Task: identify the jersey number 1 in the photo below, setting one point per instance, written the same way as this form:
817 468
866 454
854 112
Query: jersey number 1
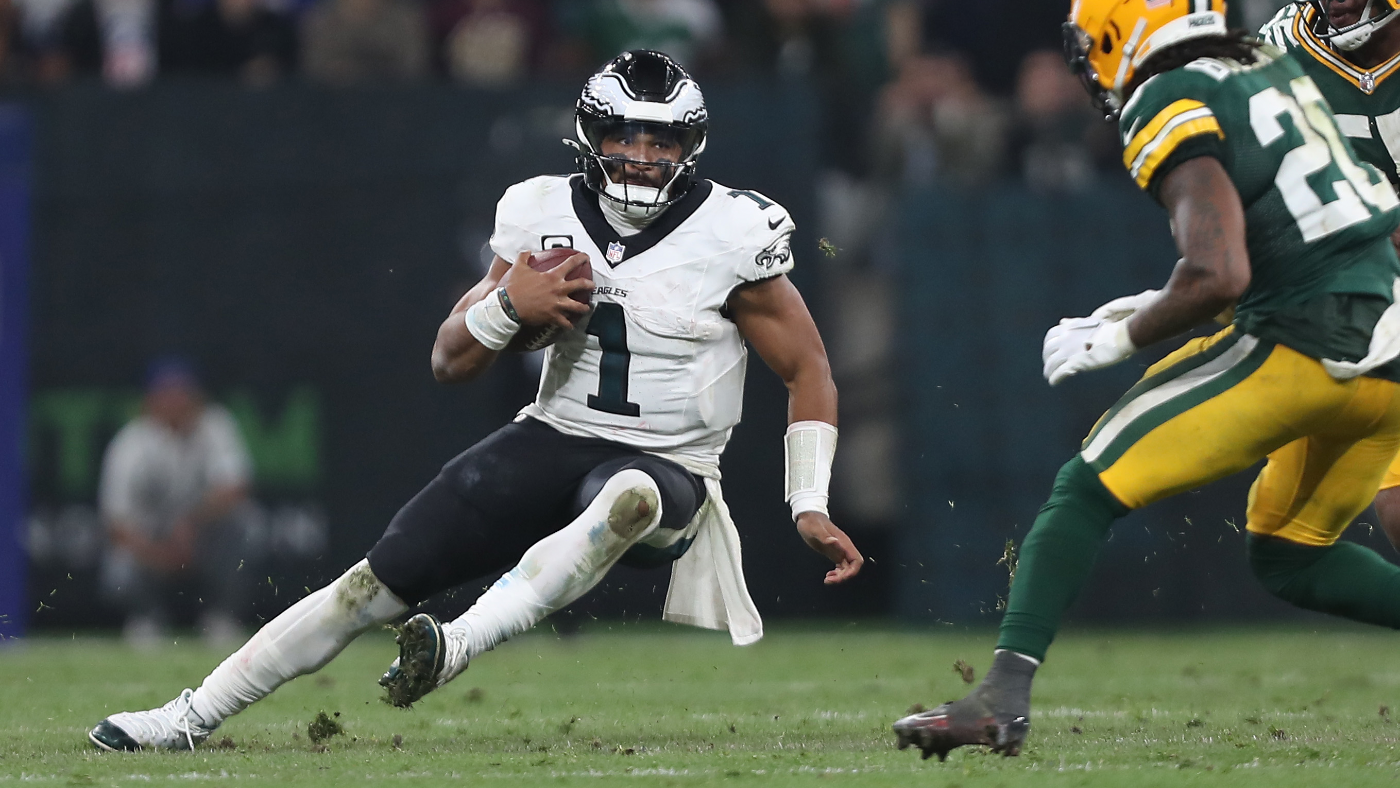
610 327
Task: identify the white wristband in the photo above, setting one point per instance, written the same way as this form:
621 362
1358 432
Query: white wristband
488 322
808 450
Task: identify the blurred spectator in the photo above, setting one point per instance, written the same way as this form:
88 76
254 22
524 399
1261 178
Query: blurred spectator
348 42
174 485
115 38
487 42
842 47
1058 140
231 37
993 36
41 24
683 29
935 123
10 40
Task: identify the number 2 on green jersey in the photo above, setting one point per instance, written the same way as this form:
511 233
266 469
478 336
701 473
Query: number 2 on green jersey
1321 146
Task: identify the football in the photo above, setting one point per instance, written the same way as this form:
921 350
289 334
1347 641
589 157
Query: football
533 337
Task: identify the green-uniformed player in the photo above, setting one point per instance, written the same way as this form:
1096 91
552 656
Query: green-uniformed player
1272 210
1355 63
1351 49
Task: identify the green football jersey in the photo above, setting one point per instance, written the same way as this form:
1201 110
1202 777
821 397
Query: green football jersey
1366 102
1317 221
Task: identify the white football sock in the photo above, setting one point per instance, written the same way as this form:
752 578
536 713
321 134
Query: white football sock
301 640
564 565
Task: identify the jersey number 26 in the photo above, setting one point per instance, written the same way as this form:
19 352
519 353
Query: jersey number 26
1321 145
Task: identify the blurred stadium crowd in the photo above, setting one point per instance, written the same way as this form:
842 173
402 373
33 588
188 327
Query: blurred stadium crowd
909 64
913 89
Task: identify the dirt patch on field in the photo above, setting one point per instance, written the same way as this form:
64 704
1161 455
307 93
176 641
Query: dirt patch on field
323 727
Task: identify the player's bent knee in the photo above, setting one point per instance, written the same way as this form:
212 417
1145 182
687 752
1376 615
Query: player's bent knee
360 596
634 503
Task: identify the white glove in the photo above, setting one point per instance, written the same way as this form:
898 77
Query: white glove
1124 307
1079 344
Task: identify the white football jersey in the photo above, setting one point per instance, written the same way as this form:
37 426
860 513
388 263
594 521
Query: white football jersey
657 364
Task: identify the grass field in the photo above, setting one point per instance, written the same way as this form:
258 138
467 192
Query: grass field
807 706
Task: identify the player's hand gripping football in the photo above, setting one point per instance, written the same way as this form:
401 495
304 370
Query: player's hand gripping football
542 298
822 535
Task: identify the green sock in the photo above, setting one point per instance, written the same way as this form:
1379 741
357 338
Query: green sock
1345 579
1056 558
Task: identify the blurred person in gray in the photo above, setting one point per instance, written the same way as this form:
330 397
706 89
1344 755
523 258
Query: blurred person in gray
173 493
488 42
935 124
1058 142
354 42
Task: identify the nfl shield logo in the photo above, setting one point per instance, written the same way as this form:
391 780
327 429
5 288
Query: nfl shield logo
615 252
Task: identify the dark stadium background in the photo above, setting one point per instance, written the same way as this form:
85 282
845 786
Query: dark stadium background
301 242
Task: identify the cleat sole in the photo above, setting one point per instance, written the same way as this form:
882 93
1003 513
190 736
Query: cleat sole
940 732
421 656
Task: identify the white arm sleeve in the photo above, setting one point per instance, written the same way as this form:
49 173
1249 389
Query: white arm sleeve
808 450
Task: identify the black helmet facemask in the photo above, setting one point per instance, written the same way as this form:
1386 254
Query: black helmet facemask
640 101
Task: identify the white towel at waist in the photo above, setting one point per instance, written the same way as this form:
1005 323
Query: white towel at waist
707 583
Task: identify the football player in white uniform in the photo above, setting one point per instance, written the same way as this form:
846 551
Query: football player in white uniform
618 455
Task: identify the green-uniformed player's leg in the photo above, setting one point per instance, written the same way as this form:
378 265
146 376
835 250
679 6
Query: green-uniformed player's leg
1190 420
1056 558
1308 493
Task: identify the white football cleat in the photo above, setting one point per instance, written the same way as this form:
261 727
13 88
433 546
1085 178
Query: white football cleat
173 726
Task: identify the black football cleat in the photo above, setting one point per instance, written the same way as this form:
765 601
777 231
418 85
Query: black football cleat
430 655
421 656
969 721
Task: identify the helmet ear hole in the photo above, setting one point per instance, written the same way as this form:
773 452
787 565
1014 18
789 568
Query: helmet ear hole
1106 45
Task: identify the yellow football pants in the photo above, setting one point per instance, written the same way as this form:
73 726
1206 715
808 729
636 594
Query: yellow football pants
1392 475
1220 404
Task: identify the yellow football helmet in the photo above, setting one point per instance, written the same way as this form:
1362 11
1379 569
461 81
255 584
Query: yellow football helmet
1106 40
1374 16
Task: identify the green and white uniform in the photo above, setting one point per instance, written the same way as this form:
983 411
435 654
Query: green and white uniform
1366 102
1317 220
1317 227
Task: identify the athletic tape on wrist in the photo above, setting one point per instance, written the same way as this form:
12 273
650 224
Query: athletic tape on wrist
808 449
488 322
